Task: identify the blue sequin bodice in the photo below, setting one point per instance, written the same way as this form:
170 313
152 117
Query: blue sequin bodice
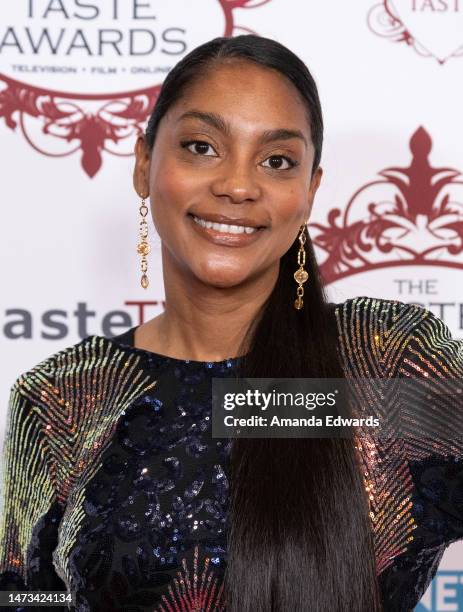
115 490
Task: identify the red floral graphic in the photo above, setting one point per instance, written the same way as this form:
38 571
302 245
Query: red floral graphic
74 119
410 217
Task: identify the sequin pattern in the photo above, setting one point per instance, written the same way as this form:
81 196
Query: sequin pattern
114 488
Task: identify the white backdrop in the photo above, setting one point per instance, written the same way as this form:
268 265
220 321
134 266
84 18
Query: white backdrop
389 76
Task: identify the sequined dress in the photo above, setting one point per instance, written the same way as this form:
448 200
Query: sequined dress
115 490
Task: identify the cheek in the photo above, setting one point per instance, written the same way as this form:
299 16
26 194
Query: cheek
174 188
288 204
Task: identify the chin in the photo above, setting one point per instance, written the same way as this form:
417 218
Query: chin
221 278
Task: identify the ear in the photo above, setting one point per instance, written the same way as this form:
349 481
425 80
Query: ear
141 169
314 185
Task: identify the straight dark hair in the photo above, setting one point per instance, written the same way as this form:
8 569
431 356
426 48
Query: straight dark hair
299 536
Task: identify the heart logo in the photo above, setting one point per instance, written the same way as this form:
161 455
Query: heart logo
436 25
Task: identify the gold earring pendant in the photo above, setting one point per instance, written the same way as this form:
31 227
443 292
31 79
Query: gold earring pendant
143 248
300 275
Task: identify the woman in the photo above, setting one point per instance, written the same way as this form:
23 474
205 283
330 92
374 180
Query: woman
115 488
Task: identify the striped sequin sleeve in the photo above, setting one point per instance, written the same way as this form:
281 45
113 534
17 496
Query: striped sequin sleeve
29 510
432 360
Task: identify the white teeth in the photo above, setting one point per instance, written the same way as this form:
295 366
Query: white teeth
222 227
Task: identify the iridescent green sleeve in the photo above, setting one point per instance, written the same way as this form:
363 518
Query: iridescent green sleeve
414 475
61 416
432 360
29 511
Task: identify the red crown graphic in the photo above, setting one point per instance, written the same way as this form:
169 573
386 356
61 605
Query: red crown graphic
411 216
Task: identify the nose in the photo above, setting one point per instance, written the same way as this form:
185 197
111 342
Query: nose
236 181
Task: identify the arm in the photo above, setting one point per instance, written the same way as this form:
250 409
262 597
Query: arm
29 510
420 505
433 361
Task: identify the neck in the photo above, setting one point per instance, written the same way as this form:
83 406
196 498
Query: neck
204 322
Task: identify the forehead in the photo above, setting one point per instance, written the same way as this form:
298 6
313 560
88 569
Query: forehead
246 94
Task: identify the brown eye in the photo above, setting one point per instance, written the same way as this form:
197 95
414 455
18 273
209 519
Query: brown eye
197 147
276 162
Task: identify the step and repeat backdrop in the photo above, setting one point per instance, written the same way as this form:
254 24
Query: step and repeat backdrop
77 83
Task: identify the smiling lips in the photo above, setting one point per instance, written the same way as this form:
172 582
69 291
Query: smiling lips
227 231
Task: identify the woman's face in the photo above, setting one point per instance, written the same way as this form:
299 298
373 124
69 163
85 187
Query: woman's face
235 149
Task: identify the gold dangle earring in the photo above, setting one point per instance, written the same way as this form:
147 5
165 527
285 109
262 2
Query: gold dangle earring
143 248
300 275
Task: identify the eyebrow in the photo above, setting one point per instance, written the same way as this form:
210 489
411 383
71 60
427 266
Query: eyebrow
217 122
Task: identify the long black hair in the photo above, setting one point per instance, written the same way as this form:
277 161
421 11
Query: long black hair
299 536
